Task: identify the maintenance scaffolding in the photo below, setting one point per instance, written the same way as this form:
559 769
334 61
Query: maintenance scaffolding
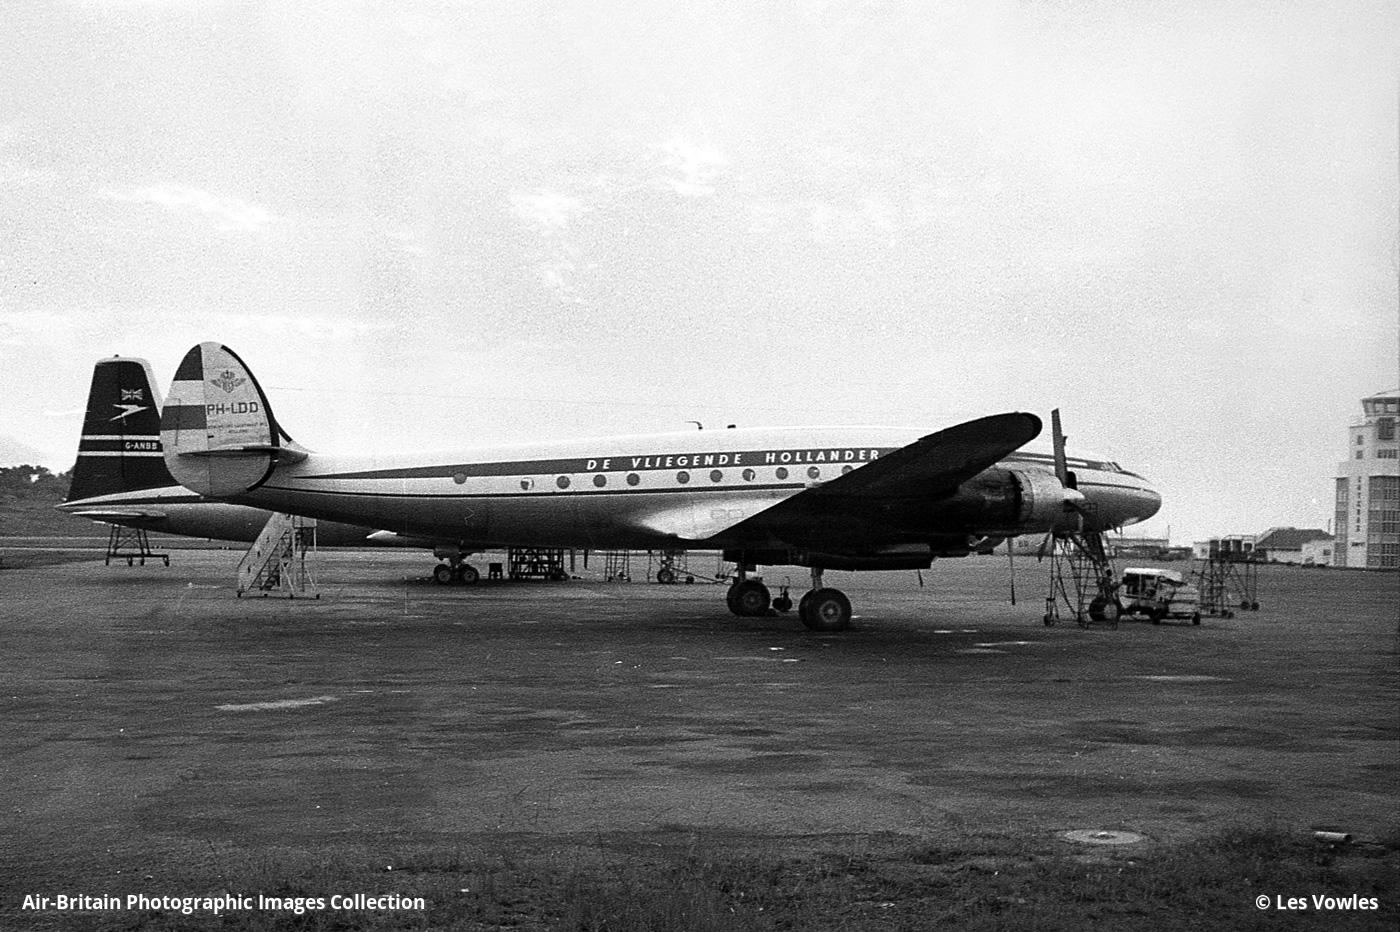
131 544
1082 579
1228 578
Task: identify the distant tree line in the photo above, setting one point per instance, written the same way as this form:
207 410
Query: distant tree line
33 481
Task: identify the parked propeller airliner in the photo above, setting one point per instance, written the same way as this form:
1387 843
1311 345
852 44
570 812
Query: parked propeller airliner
824 498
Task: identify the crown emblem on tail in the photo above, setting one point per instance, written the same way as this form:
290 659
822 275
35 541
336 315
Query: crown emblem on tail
227 381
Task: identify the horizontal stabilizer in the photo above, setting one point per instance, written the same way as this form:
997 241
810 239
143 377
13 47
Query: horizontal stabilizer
280 454
117 517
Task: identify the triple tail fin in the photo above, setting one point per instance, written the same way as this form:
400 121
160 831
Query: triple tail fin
219 433
120 447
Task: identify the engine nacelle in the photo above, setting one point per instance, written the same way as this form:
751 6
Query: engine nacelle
1044 501
1003 502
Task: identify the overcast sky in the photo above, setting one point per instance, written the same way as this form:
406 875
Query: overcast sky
438 224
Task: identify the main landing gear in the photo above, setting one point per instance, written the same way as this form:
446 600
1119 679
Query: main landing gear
821 609
456 571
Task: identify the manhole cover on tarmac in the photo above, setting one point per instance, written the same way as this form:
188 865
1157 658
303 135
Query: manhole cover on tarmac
1097 836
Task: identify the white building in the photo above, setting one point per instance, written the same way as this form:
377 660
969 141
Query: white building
1318 552
1368 489
1240 546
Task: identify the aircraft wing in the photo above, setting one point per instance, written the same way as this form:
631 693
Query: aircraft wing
928 469
937 463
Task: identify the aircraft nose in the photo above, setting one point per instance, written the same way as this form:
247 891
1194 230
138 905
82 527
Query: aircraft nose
1151 502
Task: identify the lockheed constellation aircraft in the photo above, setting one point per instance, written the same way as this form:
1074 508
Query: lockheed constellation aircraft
847 498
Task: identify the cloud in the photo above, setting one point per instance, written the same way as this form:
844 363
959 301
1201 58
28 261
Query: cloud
230 214
698 166
549 209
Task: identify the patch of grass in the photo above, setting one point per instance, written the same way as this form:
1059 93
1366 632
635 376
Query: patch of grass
14 558
978 883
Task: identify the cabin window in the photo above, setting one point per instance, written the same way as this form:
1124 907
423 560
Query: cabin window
813 472
682 477
562 482
459 478
527 484
633 478
749 475
781 472
600 480
847 468
716 475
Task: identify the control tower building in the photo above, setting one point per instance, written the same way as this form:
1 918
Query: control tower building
1368 489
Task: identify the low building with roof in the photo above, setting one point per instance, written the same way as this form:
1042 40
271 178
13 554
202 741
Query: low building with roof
1291 545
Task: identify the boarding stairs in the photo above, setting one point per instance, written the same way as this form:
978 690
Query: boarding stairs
277 561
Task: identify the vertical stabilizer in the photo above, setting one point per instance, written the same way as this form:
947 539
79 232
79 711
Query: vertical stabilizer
120 446
219 434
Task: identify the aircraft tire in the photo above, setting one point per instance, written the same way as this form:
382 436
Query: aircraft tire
468 575
442 574
748 599
665 576
826 610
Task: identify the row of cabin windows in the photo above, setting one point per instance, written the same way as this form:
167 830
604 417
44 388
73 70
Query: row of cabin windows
683 477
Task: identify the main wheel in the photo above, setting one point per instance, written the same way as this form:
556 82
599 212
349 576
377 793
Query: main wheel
442 574
783 603
826 610
665 576
748 599
468 575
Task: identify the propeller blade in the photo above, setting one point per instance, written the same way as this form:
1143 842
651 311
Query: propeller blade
1057 437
